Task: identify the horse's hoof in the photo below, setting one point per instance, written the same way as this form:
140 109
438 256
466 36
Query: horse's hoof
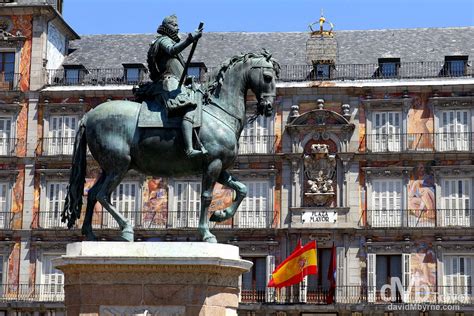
127 234
210 239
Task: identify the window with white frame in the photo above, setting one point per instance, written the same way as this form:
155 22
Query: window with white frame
186 204
6 142
455 197
454 131
52 279
4 205
257 138
125 201
55 195
255 210
386 208
458 278
387 269
62 130
386 130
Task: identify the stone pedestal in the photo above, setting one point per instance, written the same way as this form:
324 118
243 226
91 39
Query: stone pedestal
152 278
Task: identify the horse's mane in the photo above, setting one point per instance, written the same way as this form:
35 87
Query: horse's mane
217 77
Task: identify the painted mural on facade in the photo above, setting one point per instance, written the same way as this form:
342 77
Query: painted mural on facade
423 271
23 24
420 124
421 196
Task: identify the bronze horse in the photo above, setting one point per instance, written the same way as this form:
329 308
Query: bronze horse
110 130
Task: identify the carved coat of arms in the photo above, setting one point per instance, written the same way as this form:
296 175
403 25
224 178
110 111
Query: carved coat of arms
320 168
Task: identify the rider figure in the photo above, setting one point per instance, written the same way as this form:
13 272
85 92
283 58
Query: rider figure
166 65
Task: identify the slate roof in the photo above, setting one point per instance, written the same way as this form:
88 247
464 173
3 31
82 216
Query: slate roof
289 48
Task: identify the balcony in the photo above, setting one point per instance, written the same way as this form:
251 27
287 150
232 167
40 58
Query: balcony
57 146
443 218
9 81
161 221
359 294
31 293
418 142
339 72
8 146
251 145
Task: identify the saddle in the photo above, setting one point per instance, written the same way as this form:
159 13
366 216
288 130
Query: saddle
153 113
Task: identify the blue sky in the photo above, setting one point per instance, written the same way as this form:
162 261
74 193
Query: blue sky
143 16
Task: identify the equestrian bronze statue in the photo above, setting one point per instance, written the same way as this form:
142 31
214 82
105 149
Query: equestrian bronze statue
119 138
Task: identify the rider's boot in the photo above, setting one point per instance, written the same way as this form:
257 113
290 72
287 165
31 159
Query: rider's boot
187 129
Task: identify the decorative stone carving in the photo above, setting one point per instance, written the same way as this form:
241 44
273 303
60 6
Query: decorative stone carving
320 168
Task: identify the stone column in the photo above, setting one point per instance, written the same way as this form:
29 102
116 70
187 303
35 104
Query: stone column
152 278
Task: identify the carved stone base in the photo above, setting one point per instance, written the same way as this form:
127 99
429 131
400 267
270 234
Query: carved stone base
151 278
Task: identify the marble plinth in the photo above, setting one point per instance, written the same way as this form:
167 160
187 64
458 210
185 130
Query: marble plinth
151 278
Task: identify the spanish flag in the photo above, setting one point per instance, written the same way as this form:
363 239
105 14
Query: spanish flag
300 263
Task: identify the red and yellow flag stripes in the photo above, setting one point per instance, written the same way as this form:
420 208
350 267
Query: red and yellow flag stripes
300 263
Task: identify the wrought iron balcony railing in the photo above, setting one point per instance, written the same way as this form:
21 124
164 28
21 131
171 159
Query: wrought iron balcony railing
9 81
404 70
31 293
6 219
360 294
8 146
161 220
262 144
420 218
57 146
418 142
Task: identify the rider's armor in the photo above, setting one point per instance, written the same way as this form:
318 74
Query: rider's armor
166 65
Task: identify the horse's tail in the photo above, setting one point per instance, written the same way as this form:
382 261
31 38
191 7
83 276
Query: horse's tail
75 189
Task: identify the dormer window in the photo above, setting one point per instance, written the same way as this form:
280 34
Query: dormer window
322 69
455 66
74 74
388 67
134 73
196 70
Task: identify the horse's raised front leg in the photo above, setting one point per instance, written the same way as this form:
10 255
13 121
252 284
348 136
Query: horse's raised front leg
111 181
241 192
209 178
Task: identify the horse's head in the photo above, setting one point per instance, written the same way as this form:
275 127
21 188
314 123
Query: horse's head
264 71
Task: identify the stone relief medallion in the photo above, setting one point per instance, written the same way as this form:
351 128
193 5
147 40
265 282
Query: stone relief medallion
320 168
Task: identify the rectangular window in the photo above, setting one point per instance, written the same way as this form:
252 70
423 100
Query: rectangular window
386 210
257 138
254 212
55 195
254 281
7 68
388 67
62 130
7 144
134 73
52 280
125 200
386 131
4 205
72 76
458 279
454 133
187 204
194 72
455 66
388 267
323 71
455 202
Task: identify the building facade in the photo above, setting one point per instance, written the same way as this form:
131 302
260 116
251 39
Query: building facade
369 152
